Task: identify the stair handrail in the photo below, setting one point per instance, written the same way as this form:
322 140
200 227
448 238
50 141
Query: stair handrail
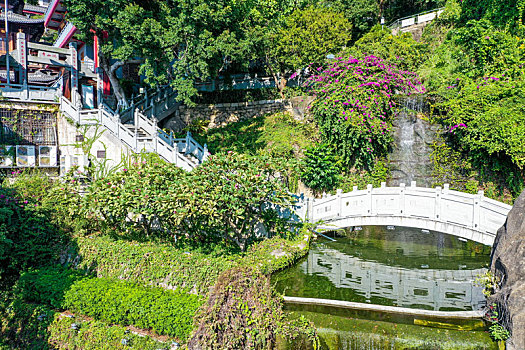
397 23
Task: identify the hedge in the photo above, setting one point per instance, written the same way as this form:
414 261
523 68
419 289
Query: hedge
166 312
96 335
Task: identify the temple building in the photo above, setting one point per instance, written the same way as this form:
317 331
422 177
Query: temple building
55 97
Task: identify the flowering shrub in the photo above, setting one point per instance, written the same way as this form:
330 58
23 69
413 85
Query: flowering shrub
355 103
224 199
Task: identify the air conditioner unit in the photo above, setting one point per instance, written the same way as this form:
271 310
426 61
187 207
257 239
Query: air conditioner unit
25 156
7 159
47 156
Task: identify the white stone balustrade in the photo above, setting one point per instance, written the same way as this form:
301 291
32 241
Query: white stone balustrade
153 142
469 216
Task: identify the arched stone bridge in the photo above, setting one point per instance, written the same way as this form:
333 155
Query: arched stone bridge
469 216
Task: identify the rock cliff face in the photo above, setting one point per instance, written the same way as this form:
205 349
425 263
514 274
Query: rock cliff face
508 264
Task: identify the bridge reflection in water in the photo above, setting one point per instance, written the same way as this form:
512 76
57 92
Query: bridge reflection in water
380 272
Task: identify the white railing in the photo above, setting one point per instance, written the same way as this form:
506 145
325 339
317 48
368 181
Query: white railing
471 216
166 147
422 17
156 104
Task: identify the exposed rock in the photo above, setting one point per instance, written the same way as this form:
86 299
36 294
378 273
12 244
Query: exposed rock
413 137
508 265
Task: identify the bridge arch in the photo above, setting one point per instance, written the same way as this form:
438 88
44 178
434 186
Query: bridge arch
469 216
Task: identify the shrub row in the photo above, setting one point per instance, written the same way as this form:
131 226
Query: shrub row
164 311
96 335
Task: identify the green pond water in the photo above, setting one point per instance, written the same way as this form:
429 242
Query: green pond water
390 266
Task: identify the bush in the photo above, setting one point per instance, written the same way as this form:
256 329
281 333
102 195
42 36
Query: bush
224 199
243 313
27 237
163 311
320 168
355 104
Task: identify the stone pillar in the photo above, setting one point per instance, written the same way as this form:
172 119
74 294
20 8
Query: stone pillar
100 85
477 210
369 199
437 205
75 96
339 195
402 210
21 45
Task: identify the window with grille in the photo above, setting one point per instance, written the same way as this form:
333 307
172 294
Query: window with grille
27 127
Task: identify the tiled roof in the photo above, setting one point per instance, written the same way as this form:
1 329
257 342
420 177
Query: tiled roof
15 18
35 8
36 77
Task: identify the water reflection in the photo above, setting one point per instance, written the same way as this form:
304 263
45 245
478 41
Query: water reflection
402 267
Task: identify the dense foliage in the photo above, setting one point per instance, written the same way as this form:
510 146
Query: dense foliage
27 237
125 303
320 168
502 13
355 103
475 78
226 198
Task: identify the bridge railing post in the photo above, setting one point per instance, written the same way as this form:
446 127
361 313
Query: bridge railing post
437 205
402 199
339 195
369 199
477 210
310 209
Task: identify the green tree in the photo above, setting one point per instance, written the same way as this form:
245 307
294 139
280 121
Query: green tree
401 50
306 37
502 13
176 42
103 20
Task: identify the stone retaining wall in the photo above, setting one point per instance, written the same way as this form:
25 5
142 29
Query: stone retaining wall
225 113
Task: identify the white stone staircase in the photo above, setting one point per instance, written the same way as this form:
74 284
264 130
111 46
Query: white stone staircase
140 133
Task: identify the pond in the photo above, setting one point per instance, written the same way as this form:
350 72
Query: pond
393 266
